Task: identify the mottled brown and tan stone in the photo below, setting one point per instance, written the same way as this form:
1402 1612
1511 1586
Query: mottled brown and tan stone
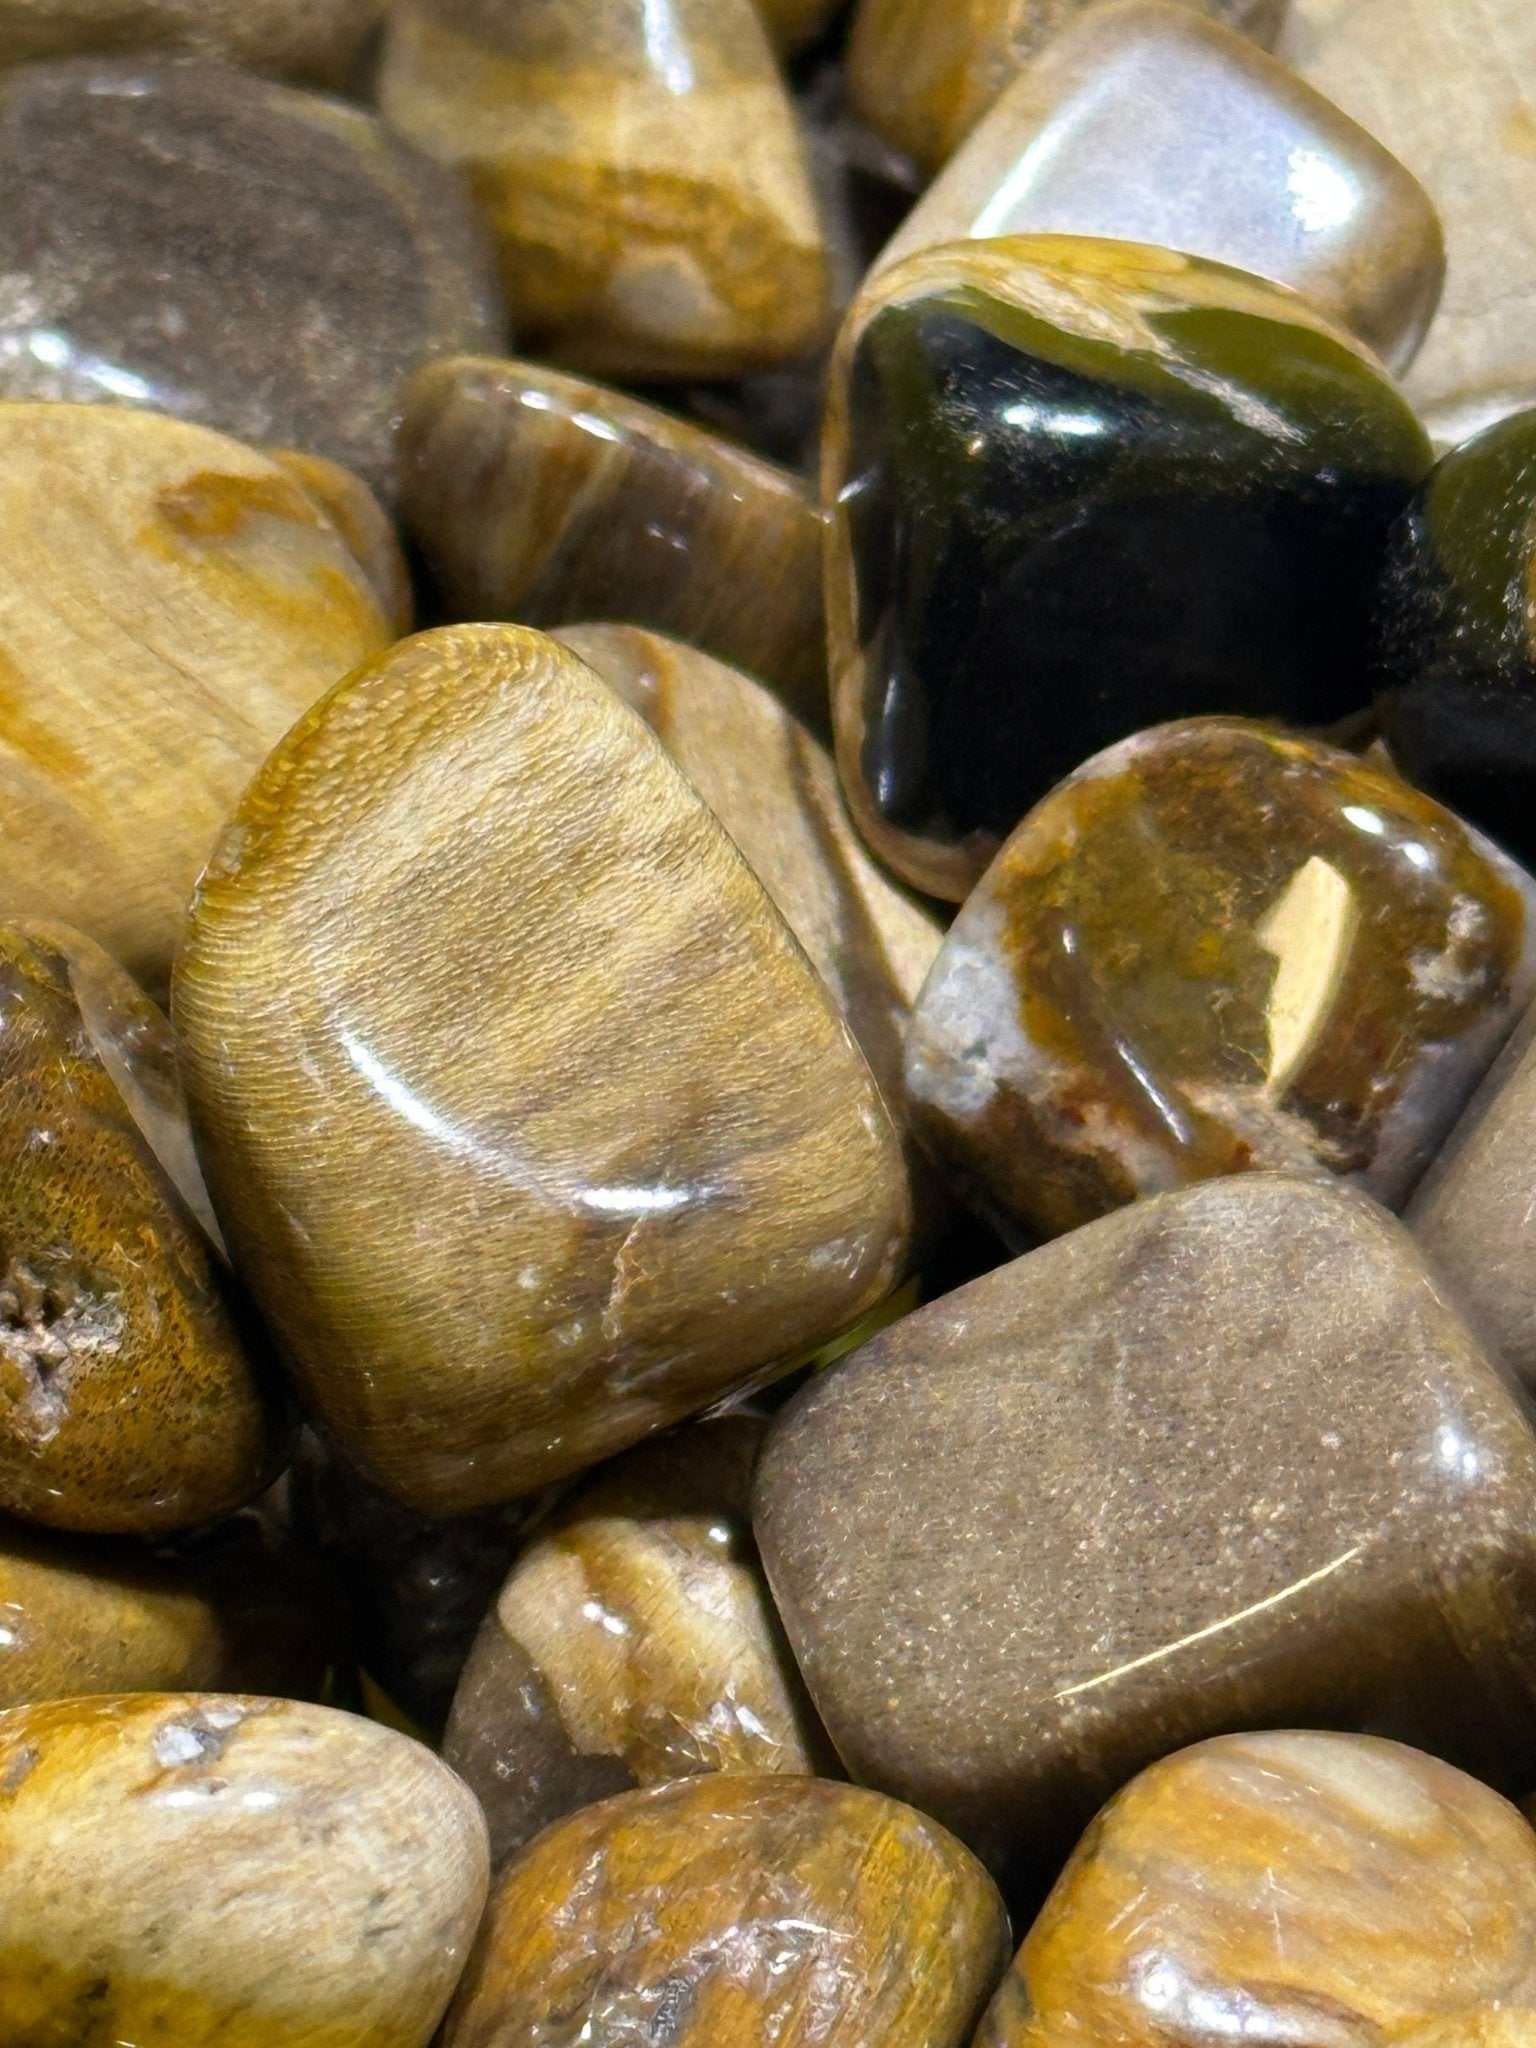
471 926
316 41
364 525
1288 1887
1224 1459
736 1912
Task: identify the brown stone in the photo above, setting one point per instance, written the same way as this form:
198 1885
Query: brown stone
592 1076
196 1868
1326 1889
794 23
1145 122
640 168
316 41
1225 1459
736 1912
541 498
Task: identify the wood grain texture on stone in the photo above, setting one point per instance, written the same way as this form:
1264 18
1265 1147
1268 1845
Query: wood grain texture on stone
923 75
1224 1459
170 601
1448 90
266 261
213 1870
1217 946
1286 1888
314 41
131 1400
1075 487
736 1912
364 525
1144 121
538 497
596 1080
634 1642
640 167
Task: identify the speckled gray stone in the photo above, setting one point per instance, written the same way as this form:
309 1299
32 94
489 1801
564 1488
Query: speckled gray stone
1226 1459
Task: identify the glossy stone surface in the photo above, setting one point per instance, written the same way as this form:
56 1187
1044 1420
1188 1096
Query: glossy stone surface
265 261
539 497
1456 633
1224 1459
1217 947
129 1401
1448 91
1144 121
1077 487
123 750
593 1074
160 1852
634 1642
316 41
364 525
922 75
1292 1887
749 1911
640 168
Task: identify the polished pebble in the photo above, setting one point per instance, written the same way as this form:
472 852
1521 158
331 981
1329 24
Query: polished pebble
1145 121
623 1156
1076 487
922 75
130 1398
1455 644
315 41
538 497
207 1870
265 261
364 525
1224 1459
1286 1888
123 744
736 1912
639 165
634 1642
1215 947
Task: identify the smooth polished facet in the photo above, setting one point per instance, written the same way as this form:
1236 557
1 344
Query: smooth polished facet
1217 947
269 262
1286 1888
542 498
1143 121
1225 1459
1075 487
640 168
471 926
315 41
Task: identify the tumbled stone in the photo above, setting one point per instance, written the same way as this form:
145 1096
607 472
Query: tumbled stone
364 525
265 261
538 497
761 1911
1456 633
1077 487
213 1868
634 1642
314 40
922 76
639 166
1447 90
1224 1459
1217 946
1144 121
1294 1887
129 1401
173 602
593 1077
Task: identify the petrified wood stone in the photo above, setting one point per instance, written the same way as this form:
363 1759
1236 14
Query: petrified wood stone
1286 1888
736 1912
1223 1459
639 165
124 746
638 1133
313 40
269 262
206 1868
541 498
